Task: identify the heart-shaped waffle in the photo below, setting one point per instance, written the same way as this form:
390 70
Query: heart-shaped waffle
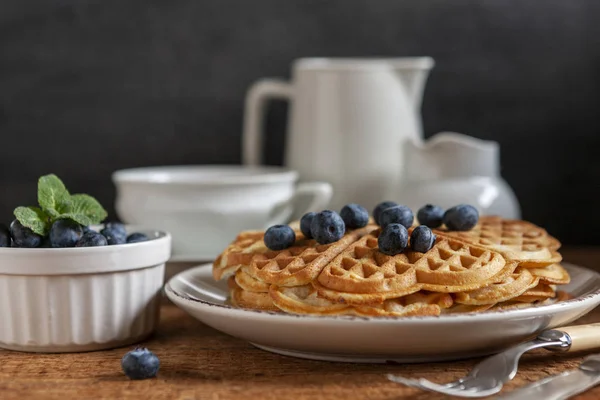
363 275
416 304
466 308
521 241
512 286
305 300
246 299
541 292
301 263
249 283
238 253
552 274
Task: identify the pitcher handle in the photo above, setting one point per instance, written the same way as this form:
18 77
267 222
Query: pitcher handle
321 193
254 112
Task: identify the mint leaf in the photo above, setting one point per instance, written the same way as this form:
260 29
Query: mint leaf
33 218
79 218
53 196
85 208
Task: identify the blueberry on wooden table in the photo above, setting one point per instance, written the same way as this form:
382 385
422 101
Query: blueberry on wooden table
140 363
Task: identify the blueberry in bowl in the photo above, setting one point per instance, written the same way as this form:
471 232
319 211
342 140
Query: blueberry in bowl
65 233
23 236
92 239
91 294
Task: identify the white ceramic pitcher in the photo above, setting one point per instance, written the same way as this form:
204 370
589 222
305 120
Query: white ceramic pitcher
451 168
348 118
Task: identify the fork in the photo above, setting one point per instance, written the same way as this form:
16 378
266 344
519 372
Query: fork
488 377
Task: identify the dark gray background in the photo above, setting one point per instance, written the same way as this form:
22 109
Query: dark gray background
88 87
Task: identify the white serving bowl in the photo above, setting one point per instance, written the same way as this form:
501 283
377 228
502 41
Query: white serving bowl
81 299
204 207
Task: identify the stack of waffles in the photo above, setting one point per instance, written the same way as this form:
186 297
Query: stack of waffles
498 264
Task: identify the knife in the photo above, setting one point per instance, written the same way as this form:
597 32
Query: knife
561 386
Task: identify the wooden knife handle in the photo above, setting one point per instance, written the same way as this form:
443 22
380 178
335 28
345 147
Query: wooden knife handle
583 337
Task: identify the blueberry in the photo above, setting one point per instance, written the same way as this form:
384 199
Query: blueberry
327 227
397 215
116 227
305 224
379 209
462 217
354 216
422 239
65 233
113 237
140 363
430 216
23 236
87 229
4 236
279 237
136 237
92 239
393 239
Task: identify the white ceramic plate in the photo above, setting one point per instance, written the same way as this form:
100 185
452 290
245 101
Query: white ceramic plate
356 339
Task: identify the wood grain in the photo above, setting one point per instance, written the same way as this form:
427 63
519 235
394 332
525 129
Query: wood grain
198 362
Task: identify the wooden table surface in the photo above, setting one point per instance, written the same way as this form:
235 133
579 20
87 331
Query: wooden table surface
198 362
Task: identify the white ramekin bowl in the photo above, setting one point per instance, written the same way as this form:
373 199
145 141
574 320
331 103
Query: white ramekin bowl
81 299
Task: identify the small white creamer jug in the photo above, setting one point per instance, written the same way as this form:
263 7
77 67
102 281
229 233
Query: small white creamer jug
451 168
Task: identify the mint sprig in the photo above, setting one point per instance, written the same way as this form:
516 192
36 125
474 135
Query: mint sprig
57 203
34 218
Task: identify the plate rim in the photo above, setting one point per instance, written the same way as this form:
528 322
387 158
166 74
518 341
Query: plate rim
492 316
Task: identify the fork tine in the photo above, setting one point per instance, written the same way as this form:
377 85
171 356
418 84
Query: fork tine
456 388
417 383
472 392
405 381
460 392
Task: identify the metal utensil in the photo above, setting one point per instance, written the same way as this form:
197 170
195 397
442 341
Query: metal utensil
562 386
488 377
